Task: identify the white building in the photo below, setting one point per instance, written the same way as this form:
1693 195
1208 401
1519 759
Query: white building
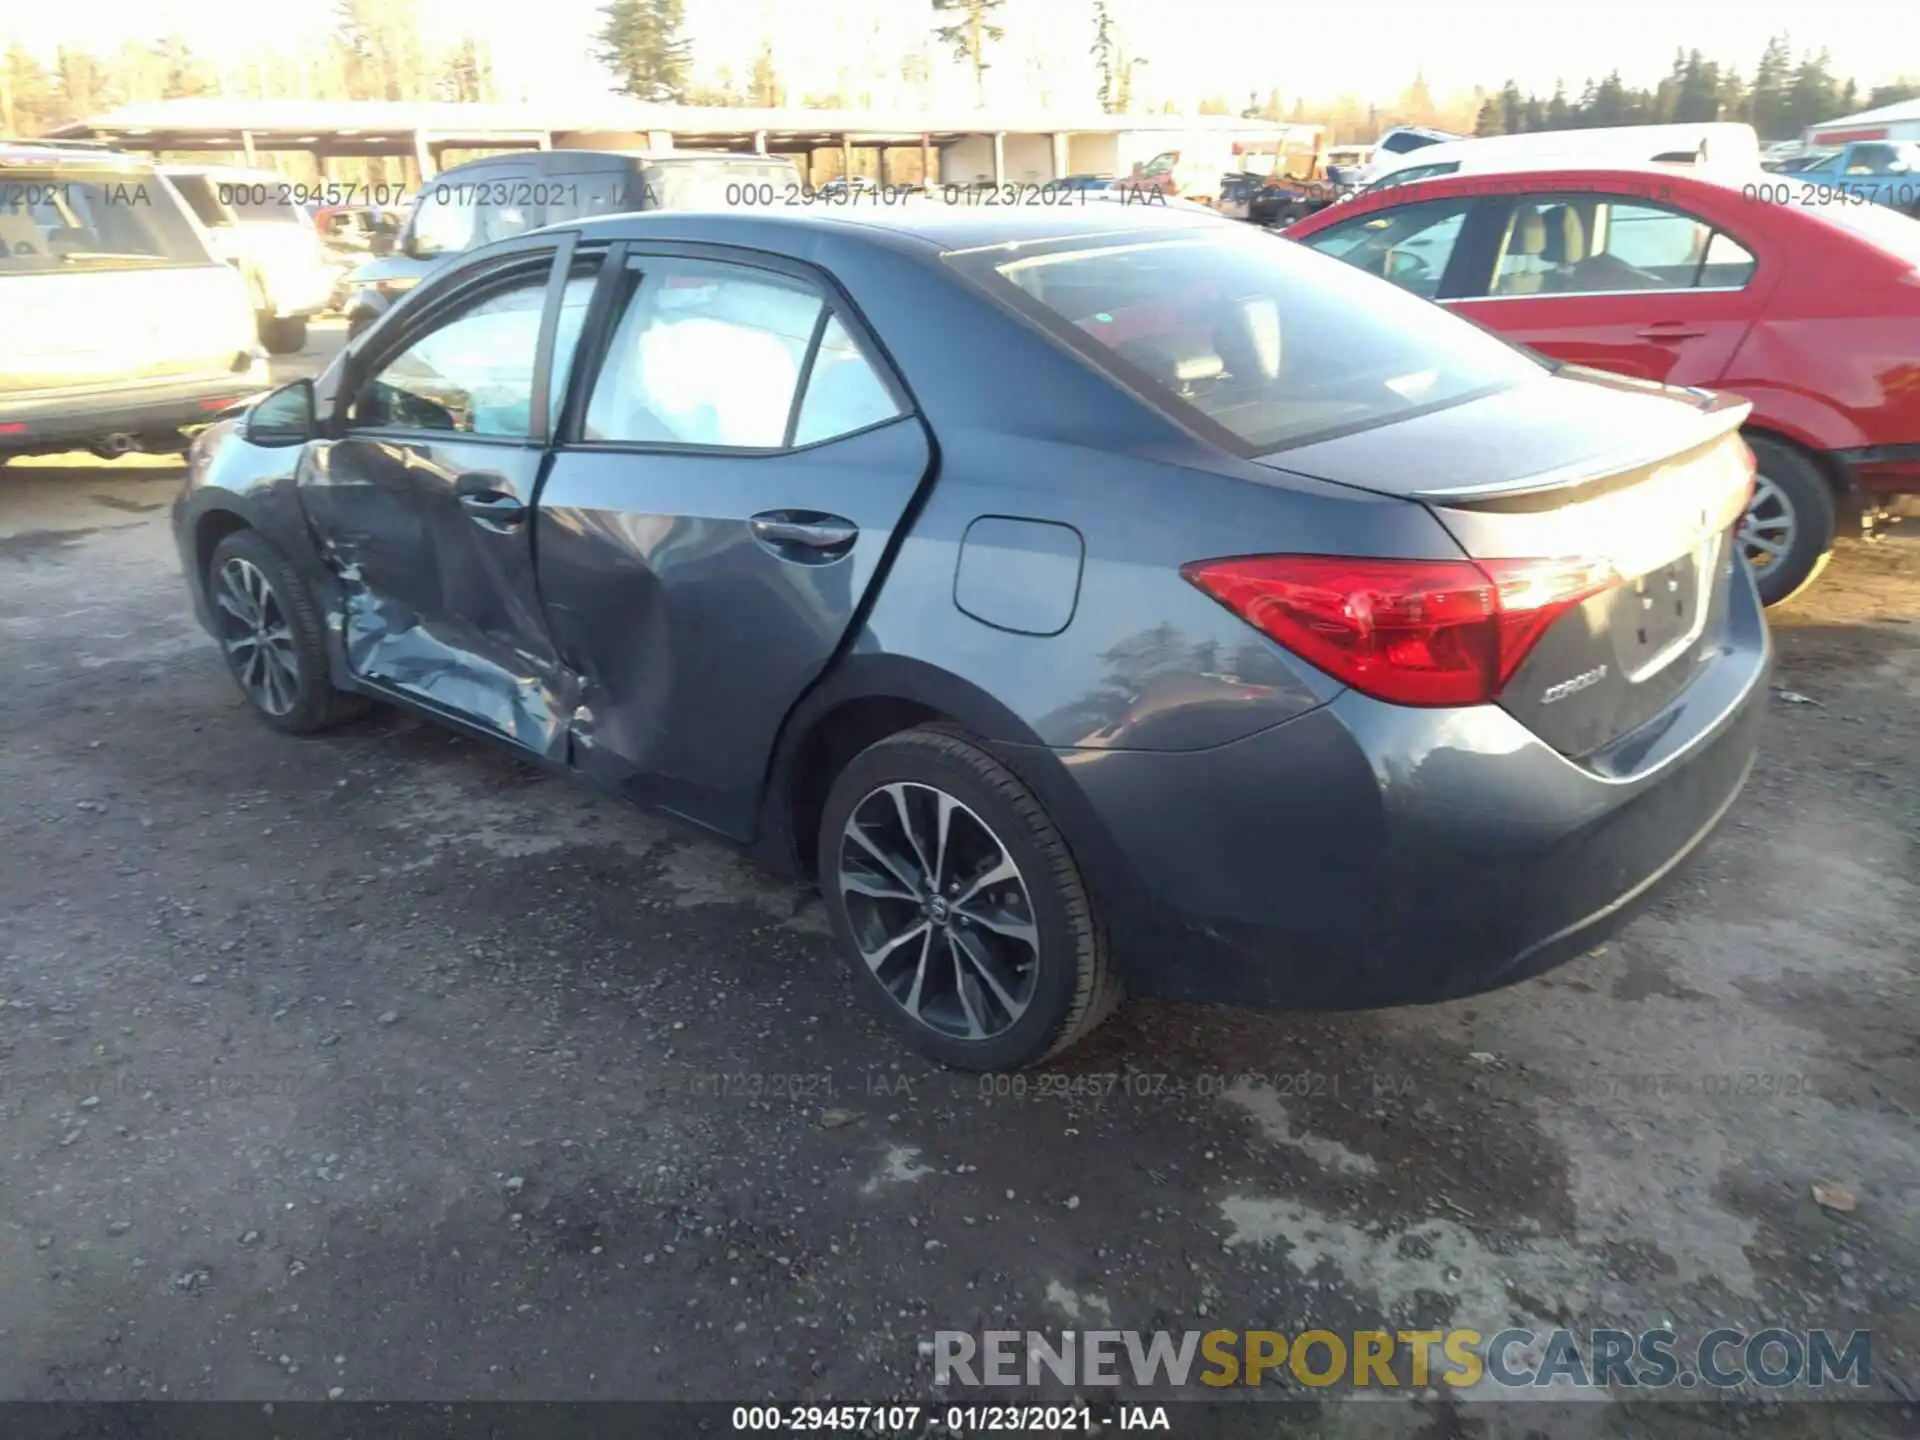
1889 122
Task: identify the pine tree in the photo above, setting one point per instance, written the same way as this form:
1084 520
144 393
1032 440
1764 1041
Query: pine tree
641 43
969 35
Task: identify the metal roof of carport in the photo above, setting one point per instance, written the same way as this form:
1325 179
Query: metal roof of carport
384 127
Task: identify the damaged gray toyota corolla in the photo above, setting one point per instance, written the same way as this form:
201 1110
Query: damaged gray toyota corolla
1086 602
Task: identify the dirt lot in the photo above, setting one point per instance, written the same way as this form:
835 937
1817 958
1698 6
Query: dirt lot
375 1066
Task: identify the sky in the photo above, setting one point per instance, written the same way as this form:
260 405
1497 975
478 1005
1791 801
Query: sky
1194 47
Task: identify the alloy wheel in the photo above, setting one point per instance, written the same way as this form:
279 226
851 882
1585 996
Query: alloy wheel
1767 529
939 910
257 638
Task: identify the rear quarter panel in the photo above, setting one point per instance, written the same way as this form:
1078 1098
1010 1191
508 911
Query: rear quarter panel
1147 661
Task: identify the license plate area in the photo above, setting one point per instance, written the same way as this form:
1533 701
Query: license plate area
1660 614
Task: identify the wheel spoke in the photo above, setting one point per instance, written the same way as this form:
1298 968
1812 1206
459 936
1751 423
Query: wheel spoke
1752 540
876 958
858 834
986 966
899 794
975 1030
912 1002
233 602
859 883
942 824
1005 870
1003 924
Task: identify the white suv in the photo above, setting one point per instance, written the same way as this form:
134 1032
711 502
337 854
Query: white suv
119 329
258 226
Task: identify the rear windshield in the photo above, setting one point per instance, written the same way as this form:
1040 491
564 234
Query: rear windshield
52 220
1253 340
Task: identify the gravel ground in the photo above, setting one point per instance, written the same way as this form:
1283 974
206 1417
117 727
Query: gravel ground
383 1066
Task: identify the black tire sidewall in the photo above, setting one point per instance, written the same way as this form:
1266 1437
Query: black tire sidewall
314 709
1063 943
1806 490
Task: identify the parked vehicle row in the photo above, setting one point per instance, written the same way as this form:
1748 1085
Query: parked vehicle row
475 204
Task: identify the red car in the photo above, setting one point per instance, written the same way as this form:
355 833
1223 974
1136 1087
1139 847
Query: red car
1794 299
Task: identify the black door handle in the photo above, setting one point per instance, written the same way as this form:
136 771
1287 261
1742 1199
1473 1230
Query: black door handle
805 530
493 508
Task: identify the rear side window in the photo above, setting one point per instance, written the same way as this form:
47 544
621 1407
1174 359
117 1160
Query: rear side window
53 221
707 355
1261 346
1588 245
716 355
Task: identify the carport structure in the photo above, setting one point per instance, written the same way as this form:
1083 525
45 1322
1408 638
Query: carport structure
985 145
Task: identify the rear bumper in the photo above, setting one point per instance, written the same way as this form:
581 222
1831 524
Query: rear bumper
54 423
1367 855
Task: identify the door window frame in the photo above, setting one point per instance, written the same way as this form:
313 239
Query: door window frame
441 299
607 311
1507 204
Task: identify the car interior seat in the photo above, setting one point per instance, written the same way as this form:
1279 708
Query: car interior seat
1527 242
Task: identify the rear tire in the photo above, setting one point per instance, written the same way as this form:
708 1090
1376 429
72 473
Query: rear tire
273 639
283 336
1787 533
977 973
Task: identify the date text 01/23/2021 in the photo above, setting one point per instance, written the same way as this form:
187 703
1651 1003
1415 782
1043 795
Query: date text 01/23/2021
911 1420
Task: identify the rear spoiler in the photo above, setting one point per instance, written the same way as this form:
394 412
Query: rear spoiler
1600 475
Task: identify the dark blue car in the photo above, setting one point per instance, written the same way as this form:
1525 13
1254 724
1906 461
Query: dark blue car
1089 598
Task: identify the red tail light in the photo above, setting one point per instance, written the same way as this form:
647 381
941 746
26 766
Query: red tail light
1414 632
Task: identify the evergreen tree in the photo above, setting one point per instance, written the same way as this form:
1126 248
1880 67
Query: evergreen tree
641 43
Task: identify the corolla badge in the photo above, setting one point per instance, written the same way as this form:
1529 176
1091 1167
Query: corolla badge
1585 679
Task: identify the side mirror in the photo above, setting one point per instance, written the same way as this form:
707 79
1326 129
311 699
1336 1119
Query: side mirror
284 417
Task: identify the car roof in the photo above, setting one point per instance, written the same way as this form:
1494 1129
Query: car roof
250 172
918 225
63 152
577 160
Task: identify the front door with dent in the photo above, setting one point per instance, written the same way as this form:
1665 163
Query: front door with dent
423 499
725 492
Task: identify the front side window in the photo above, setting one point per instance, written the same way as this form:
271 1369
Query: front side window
51 220
1161 164
1260 345
473 373
1409 245
1585 245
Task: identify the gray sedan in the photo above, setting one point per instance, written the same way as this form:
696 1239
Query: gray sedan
1088 598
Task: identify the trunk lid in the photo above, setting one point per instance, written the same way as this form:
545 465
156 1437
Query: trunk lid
1650 479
